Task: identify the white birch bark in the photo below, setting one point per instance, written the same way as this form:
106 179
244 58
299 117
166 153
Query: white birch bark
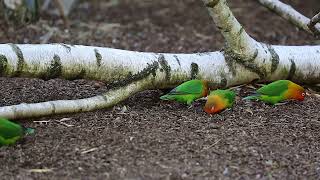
313 24
129 72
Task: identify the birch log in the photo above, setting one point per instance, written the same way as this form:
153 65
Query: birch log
128 72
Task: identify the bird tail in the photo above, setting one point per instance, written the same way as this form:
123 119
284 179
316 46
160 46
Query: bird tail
28 131
166 97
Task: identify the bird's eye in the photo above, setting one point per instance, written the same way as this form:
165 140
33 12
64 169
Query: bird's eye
303 94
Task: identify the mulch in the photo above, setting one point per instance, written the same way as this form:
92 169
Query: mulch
143 137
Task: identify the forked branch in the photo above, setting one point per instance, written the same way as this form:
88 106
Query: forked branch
289 13
312 24
236 37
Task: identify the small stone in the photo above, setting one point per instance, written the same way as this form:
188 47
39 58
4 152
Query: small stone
269 162
98 84
226 171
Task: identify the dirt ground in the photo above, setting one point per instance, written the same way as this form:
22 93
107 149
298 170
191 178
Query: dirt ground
143 137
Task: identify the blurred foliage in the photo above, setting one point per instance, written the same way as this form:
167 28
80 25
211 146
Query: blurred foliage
20 12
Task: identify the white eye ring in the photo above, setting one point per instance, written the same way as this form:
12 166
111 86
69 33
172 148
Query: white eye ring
303 94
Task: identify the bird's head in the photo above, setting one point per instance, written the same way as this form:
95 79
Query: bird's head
297 92
213 105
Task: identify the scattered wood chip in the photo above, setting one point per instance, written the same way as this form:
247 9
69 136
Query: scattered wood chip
208 147
65 119
226 171
62 122
279 104
249 111
110 3
239 86
41 122
234 167
107 27
65 124
317 95
202 99
315 121
269 162
250 86
124 110
162 165
117 120
98 84
89 150
39 170
202 36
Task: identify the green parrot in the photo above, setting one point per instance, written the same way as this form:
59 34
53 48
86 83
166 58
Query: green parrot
278 91
10 132
188 92
219 100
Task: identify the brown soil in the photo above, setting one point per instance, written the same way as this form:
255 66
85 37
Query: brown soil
145 138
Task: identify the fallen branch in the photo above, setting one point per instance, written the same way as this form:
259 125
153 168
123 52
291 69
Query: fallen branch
289 13
128 72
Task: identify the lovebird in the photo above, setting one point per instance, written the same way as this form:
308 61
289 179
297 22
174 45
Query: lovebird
278 91
188 92
10 132
219 100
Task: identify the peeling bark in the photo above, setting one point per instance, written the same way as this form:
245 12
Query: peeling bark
238 41
312 25
128 72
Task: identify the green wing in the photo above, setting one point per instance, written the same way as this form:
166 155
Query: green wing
226 94
271 99
9 129
274 89
189 87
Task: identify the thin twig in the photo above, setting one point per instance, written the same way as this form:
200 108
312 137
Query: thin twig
89 150
62 122
40 170
208 147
